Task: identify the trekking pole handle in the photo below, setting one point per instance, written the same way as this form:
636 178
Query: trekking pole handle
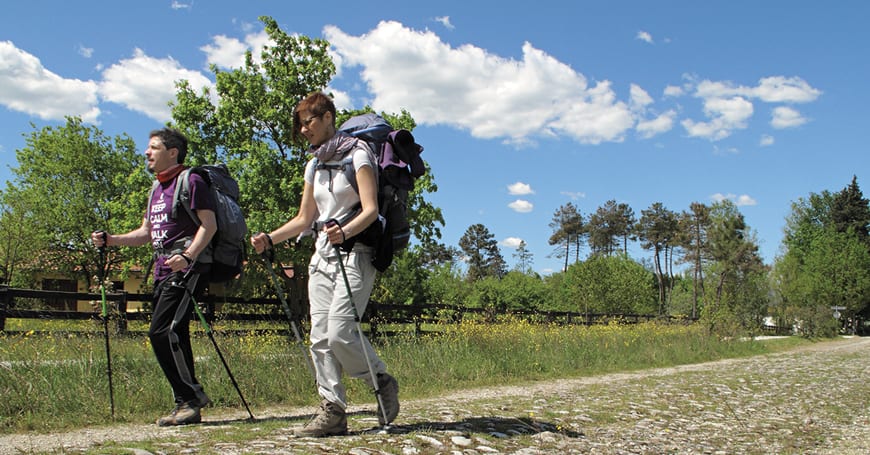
268 252
332 223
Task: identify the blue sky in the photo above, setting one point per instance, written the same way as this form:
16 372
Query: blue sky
522 106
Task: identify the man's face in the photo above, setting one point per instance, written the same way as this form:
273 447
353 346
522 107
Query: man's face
158 157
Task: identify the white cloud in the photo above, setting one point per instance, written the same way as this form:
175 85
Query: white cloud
26 86
744 200
658 125
511 242
777 89
521 206
574 195
786 117
340 99
766 140
726 114
86 52
229 53
740 201
488 95
445 21
644 36
639 98
146 84
179 5
674 91
728 106
520 188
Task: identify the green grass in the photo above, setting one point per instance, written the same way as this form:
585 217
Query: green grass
58 380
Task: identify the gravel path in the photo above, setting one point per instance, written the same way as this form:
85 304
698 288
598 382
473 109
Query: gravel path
813 400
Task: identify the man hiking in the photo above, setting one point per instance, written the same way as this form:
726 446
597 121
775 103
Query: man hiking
179 271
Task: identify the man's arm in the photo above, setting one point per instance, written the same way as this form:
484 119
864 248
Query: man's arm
136 237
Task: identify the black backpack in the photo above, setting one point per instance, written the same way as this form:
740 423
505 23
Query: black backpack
227 251
399 165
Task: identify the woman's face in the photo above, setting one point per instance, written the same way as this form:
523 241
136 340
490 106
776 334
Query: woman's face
316 128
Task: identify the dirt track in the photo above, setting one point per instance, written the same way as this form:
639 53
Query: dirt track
814 400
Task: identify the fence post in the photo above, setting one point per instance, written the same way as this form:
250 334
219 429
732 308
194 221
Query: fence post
4 305
122 314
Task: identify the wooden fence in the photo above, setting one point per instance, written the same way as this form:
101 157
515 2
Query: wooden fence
377 315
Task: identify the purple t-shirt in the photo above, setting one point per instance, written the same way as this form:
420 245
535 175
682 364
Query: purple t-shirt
165 231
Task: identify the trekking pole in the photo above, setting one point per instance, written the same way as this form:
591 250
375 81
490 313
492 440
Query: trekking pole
210 334
356 318
268 259
105 317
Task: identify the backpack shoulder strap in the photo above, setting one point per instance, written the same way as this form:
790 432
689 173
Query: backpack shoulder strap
182 196
154 186
345 165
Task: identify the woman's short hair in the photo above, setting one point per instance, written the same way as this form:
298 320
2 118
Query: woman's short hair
316 104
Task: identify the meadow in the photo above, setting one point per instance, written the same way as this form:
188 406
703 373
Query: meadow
53 376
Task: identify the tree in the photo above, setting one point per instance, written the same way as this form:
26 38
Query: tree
850 212
610 284
524 258
16 240
694 226
740 295
250 128
568 230
610 225
825 261
656 229
482 253
71 180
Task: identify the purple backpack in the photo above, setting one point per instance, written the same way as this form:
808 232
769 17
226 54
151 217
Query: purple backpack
399 165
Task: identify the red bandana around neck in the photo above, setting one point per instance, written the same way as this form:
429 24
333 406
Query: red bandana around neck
170 173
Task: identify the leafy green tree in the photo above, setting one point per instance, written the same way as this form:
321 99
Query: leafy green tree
250 128
72 180
524 258
446 286
482 254
657 229
610 225
611 284
568 231
522 291
404 284
850 212
740 295
824 262
694 226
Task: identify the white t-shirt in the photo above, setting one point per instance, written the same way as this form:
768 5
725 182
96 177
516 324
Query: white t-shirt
337 201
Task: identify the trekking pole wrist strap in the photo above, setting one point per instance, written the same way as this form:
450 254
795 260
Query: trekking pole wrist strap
186 257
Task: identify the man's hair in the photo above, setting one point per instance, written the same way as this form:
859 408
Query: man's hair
317 104
172 138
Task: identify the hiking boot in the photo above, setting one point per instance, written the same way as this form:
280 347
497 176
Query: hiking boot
184 414
330 420
388 388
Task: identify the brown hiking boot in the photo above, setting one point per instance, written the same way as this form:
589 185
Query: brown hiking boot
330 420
184 414
388 388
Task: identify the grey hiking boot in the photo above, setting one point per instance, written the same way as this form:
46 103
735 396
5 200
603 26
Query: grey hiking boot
388 388
184 414
330 420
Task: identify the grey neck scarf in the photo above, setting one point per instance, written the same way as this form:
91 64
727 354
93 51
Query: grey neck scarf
335 147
